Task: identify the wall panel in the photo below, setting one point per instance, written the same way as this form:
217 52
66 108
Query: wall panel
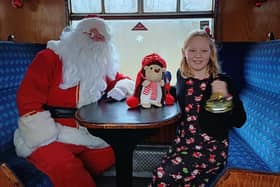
241 20
38 21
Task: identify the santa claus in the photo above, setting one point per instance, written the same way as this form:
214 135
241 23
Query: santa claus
75 71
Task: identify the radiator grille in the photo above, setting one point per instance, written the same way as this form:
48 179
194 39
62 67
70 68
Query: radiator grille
145 159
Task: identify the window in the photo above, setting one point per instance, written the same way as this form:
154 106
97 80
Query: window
164 25
122 6
160 6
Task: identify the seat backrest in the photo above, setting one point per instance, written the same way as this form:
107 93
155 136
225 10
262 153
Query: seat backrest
14 60
257 66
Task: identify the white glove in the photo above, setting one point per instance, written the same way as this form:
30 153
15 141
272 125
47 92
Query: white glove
116 94
122 89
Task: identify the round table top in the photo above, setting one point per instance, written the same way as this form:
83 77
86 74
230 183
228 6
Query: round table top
117 115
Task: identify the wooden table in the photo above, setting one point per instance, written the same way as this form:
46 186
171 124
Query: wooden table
124 128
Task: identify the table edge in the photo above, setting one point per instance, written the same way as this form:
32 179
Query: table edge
151 125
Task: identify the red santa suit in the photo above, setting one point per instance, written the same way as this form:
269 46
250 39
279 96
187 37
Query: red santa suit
59 147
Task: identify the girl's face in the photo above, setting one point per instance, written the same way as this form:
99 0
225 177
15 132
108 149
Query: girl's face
198 54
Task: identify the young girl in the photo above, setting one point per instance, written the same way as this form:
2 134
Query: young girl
200 148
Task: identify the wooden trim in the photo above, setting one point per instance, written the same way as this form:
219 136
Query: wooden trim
8 178
127 125
117 16
233 177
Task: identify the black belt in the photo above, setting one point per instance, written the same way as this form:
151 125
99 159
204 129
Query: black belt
60 112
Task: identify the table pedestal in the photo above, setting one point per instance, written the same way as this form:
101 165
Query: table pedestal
123 143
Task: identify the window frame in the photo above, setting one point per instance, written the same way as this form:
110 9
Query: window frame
140 14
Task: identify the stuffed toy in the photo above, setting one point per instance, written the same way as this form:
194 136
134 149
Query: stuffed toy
150 86
169 99
17 3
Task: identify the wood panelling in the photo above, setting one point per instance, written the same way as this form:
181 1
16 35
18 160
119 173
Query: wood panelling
246 178
241 20
8 178
38 21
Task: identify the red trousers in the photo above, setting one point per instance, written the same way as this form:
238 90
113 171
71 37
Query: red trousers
71 165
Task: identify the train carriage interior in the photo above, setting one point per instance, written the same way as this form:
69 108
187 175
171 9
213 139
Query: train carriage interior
246 35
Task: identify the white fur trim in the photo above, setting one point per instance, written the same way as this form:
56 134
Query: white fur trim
80 136
53 45
34 131
22 149
38 129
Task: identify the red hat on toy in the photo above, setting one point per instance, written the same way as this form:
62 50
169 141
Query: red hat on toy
134 100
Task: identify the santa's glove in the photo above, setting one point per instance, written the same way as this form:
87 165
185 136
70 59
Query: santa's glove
122 89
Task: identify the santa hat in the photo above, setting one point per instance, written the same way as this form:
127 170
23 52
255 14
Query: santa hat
133 101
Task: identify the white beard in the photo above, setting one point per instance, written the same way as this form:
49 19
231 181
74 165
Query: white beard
87 63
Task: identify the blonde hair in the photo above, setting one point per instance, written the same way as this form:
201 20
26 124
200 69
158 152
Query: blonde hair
213 67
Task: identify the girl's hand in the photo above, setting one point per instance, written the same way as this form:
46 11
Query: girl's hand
220 87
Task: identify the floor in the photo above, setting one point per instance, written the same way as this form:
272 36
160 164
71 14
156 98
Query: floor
109 181
145 158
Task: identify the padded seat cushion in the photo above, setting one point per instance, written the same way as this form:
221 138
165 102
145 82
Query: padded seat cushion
14 60
241 155
29 175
